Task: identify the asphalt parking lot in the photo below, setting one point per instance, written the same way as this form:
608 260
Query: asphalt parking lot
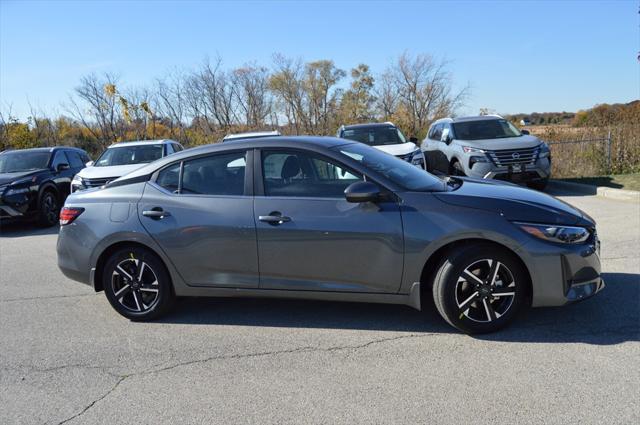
67 357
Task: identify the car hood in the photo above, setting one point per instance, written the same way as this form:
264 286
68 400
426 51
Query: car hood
106 172
7 178
399 149
521 142
515 203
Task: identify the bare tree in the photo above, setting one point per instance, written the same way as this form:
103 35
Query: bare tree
424 87
322 97
250 85
286 84
96 107
170 102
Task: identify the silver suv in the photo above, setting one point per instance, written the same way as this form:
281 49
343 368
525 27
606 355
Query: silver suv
487 147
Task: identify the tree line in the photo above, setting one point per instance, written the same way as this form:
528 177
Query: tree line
201 106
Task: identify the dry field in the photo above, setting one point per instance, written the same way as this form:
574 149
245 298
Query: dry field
590 156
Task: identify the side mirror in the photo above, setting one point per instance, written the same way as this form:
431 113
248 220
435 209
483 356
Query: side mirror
446 137
525 132
413 140
61 167
362 192
89 164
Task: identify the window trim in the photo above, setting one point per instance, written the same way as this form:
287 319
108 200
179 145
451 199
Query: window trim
248 175
259 174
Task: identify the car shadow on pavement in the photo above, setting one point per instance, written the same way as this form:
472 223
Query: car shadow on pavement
611 317
20 229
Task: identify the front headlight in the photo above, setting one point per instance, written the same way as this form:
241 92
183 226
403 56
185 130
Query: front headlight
544 151
469 149
554 233
16 191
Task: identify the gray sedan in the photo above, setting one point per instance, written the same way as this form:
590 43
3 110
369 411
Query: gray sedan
330 219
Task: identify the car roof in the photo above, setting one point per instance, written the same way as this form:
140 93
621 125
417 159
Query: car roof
46 149
232 145
469 118
368 125
250 135
142 142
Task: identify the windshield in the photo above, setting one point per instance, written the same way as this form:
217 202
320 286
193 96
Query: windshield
375 136
127 155
16 162
398 171
484 129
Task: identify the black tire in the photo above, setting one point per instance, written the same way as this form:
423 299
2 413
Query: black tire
473 305
457 169
130 292
538 184
48 209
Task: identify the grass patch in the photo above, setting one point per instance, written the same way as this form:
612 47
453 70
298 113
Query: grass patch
619 181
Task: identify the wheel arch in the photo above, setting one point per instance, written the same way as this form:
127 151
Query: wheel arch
98 285
429 269
48 186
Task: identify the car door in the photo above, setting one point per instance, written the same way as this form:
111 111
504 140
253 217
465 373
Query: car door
311 238
200 211
62 173
440 149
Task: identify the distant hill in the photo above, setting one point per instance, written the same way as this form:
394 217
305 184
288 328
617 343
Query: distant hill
602 114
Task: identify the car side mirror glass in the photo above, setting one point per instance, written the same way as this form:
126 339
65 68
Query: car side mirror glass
61 167
89 164
362 192
446 138
524 131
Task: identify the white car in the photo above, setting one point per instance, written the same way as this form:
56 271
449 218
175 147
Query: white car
385 137
120 159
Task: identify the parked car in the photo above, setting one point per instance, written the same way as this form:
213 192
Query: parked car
386 137
120 159
252 135
34 183
325 218
487 147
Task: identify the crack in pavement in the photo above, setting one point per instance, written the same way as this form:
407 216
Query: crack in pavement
308 349
90 405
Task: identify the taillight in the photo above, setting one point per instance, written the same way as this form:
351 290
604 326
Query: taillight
68 214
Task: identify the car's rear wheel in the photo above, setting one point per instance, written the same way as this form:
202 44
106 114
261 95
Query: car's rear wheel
49 209
137 284
479 288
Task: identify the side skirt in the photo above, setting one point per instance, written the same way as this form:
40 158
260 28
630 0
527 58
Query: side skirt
411 299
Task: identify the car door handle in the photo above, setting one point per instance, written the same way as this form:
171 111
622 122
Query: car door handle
156 213
274 219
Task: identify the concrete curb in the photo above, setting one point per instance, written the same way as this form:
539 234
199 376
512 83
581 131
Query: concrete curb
606 192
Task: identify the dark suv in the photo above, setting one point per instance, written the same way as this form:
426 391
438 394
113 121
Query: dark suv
34 183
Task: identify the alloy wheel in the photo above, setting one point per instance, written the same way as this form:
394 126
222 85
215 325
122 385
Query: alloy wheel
485 290
50 206
135 285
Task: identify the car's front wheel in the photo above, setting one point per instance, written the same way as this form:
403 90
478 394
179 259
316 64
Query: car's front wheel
49 209
137 284
479 288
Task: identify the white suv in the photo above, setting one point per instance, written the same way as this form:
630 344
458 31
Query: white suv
385 137
487 147
120 159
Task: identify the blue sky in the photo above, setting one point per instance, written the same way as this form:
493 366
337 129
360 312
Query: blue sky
517 56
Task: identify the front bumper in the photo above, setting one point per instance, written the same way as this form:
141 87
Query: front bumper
563 274
540 170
